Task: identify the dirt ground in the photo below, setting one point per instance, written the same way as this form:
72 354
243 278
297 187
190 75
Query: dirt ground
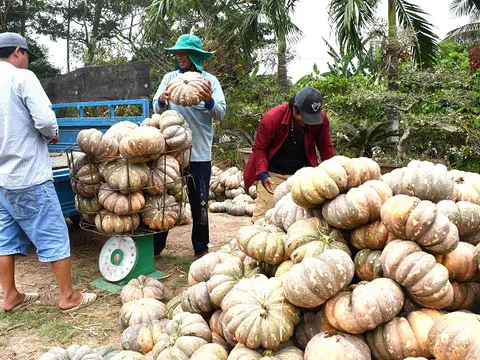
27 334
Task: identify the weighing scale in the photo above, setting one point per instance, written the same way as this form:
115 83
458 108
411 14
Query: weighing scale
123 258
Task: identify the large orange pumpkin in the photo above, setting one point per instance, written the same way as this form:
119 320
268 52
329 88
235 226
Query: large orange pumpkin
460 263
160 212
118 203
126 177
465 216
373 235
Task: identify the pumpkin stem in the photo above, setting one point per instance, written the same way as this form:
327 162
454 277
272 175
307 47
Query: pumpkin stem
264 311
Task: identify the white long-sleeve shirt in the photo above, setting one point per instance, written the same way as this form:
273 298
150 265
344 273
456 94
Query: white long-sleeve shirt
27 123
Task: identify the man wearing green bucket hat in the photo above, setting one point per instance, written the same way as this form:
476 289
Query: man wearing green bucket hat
189 56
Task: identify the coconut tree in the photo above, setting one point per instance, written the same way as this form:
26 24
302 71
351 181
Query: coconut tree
470 31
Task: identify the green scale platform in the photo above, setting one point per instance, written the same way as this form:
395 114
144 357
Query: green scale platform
123 258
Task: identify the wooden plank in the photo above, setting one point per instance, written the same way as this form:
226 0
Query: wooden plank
96 83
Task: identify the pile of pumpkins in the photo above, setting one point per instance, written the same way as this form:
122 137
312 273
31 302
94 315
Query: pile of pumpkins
133 174
347 265
227 193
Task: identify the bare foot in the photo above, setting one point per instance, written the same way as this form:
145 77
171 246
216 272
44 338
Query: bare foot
10 303
70 301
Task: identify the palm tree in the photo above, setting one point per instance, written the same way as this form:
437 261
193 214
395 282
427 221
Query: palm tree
470 31
352 17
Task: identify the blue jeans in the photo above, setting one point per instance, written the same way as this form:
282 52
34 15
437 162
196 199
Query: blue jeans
198 190
33 215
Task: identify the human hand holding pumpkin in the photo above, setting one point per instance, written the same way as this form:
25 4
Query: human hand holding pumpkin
206 91
165 97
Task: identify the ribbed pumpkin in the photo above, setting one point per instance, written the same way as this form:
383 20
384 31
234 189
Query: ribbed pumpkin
126 177
218 207
185 216
202 269
467 186
210 352
230 178
284 268
423 180
373 235
142 337
95 144
141 288
74 352
233 193
331 178
225 276
160 212
196 300
286 213
85 175
311 237
464 295
237 209
310 325
367 264
107 351
215 186
250 209
174 306
460 263
111 224
174 128
262 244
184 335
418 272
232 248
185 89
476 256
315 280
141 311
118 203
257 313
364 306
358 206
121 130
87 204
252 191
402 337
129 355
410 218
164 173
465 216
329 345
142 144
455 336
285 351
218 327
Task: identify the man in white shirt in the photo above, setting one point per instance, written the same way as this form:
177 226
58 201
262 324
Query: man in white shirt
29 206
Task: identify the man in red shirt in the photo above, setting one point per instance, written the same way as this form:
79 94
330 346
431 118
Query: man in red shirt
287 139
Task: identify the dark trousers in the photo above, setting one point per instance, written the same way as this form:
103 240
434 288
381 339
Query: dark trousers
198 190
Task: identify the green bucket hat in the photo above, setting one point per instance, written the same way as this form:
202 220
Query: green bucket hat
193 45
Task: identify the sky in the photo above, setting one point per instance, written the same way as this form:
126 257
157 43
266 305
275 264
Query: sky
312 19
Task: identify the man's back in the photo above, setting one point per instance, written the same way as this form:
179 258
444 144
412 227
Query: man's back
26 124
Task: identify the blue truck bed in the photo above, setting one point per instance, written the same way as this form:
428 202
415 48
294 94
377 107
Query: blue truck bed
69 127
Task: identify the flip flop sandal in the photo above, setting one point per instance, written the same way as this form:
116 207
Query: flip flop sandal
30 298
87 299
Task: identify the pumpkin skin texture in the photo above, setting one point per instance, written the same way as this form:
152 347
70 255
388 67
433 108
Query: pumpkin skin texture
284 268
331 178
218 327
128 355
111 224
460 263
455 337
231 248
107 351
196 300
230 178
402 337
142 337
126 177
118 203
310 238
367 264
364 306
74 352
174 128
184 335
210 352
467 186
465 216
233 193
95 144
337 345
261 244
358 206
476 256
310 325
373 235
121 130
174 306
87 205
140 311
285 352
418 272
409 218
185 89
257 313
160 212
142 288
225 276
202 269
315 280
217 207
165 172
216 187
463 295
85 176
237 209
185 216
423 180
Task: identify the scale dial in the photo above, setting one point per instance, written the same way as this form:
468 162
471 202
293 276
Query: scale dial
118 258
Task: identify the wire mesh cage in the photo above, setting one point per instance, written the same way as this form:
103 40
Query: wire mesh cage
130 195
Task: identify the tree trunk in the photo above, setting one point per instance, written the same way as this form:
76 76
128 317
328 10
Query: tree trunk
95 27
23 18
282 64
392 56
68 35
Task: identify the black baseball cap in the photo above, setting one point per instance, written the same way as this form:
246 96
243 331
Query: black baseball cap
9 39
309 102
